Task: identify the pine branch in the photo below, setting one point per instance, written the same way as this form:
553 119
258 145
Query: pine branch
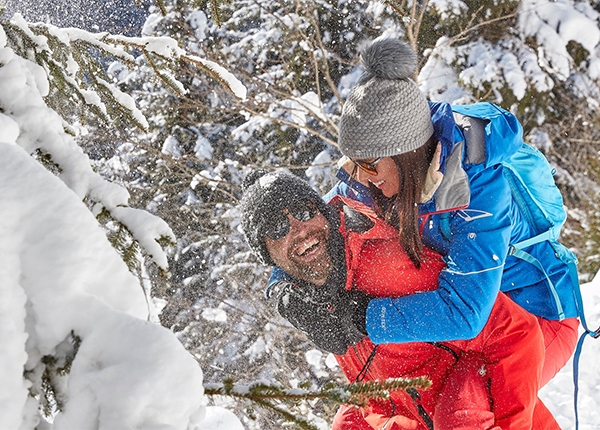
73 60
270 395
213 69
166 79
161 5
214 6
288 415
49 385
122 240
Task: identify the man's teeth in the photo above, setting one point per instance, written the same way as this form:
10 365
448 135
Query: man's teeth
307 245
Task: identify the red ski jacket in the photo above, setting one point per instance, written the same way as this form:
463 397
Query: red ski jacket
511 343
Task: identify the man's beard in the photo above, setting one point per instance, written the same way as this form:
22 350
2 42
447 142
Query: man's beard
317 271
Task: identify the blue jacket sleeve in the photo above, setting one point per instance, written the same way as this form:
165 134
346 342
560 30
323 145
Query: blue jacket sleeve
468 286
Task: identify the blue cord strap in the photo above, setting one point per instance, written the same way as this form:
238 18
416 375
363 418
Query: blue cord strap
595 335
587 332
579 302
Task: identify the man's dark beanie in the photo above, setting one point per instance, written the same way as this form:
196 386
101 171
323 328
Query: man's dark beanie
266 193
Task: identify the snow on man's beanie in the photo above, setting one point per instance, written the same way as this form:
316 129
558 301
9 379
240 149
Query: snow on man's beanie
386 113
265 195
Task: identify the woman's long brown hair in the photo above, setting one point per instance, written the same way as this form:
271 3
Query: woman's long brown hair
402 210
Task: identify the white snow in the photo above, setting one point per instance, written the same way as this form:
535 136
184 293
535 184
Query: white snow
511 62
314 357
62 284
558 394
214 314
171 147
203 148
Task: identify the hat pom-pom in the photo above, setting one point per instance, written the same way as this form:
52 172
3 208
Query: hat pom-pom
389 59
252 177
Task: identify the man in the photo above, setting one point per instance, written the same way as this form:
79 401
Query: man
320 246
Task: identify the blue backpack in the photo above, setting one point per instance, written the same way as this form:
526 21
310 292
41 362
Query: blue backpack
532 184
531 180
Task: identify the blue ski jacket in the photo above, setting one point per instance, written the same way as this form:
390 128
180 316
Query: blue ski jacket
474 201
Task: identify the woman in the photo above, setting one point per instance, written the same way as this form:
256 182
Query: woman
416 165
496 371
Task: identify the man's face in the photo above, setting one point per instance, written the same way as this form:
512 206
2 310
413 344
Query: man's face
303 252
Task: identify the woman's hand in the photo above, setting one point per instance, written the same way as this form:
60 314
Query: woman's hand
381 422
434 176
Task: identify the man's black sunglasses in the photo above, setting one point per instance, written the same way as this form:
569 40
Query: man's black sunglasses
278 225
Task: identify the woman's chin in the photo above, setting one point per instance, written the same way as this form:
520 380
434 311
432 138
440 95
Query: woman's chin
388 193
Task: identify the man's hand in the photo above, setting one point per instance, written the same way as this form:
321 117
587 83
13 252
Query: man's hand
332 320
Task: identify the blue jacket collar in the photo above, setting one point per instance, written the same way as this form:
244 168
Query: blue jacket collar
453 193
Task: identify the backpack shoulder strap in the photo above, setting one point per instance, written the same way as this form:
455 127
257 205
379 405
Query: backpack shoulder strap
474 131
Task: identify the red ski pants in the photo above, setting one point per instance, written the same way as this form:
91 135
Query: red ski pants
495 382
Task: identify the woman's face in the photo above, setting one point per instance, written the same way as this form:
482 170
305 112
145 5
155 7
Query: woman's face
387 178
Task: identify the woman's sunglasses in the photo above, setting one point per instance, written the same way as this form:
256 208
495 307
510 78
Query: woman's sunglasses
368 166
278 224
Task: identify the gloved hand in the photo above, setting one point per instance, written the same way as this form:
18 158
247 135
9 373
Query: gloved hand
332 319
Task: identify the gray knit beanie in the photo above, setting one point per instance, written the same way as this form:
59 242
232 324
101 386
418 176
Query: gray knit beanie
386 113
265 195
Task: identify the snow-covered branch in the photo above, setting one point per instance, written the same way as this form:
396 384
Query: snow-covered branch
74 60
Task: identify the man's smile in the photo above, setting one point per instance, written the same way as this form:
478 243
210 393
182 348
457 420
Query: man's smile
308 249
